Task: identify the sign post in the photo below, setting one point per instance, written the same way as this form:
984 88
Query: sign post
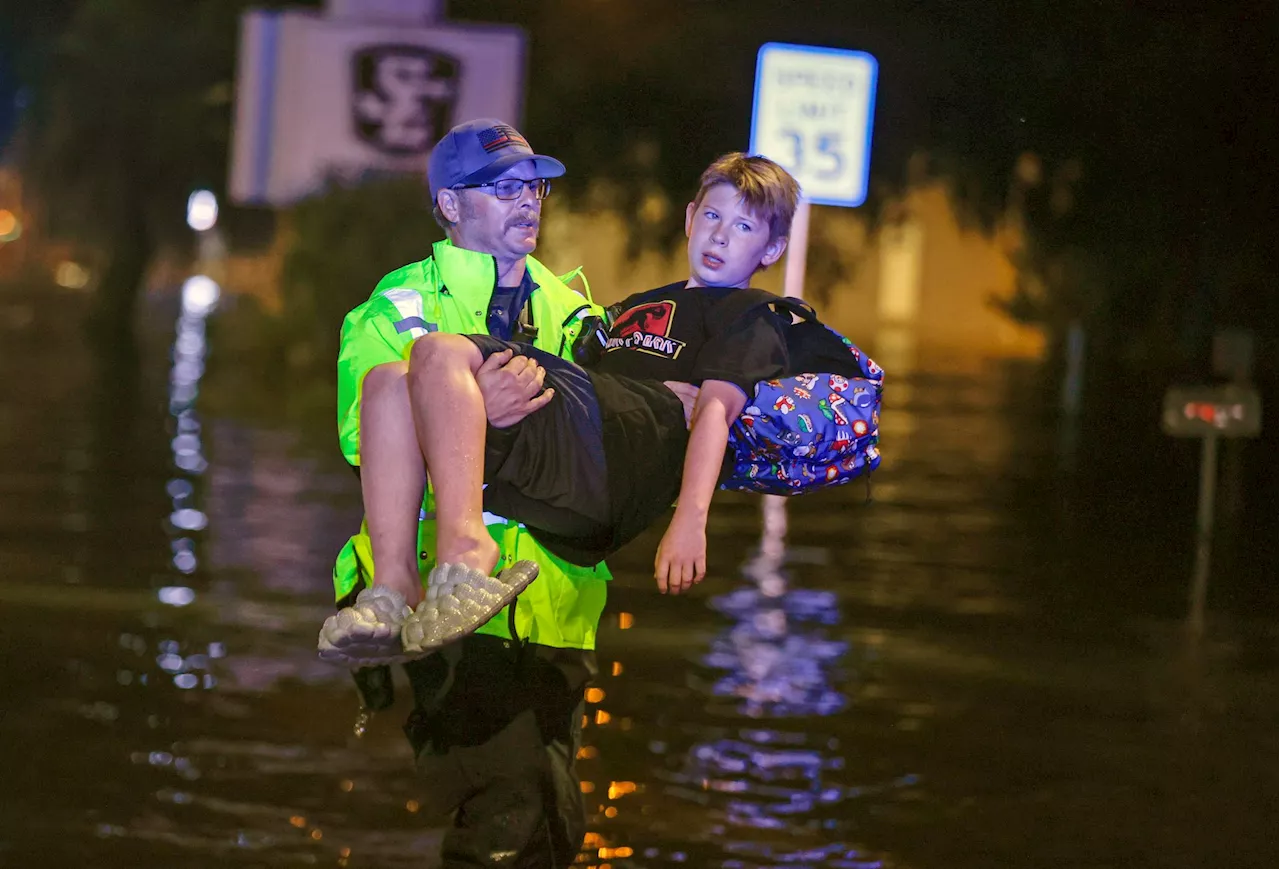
1209 413
812 115
797 250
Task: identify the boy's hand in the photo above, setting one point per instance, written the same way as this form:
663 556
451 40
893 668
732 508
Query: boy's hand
510 388
688 395
682 556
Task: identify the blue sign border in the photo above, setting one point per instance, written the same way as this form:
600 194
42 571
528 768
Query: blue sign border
864 179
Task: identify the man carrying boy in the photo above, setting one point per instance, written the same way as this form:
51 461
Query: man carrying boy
495 726
595 465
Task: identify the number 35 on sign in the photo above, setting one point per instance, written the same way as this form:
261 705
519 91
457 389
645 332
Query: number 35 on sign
813 111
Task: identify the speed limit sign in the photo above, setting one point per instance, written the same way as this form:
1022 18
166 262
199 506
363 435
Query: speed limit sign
812 114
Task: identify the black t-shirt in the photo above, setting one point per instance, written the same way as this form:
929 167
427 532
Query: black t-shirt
671 333
685 334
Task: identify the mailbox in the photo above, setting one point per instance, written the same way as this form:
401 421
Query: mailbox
1228 411
1209 413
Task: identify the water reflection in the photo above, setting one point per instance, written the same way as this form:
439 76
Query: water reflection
776 662
199 299
1018 663
765 776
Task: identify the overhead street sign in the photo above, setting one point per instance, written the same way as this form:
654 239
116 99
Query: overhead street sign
812 114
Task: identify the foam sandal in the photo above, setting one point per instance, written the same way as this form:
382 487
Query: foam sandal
458 601
367 633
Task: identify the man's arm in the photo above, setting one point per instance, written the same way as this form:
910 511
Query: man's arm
682 555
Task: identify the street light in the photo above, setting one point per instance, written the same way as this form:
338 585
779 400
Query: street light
202 210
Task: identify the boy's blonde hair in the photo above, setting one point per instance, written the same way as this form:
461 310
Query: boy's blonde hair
765 187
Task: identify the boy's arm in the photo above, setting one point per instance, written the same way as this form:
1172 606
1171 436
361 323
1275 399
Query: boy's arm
682 555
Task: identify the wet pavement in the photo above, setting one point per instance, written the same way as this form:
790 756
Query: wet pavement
986 667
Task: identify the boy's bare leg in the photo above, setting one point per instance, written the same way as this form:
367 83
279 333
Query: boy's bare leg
449 415
392 478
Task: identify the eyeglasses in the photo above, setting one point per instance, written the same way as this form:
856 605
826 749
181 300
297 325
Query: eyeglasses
512 188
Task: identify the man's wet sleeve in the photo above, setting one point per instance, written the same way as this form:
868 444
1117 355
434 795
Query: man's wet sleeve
369 339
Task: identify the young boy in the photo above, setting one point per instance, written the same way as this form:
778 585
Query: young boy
608 452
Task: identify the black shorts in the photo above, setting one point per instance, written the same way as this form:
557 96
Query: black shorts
595 467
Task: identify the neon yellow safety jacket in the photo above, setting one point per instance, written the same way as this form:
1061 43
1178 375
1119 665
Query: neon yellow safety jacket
449 292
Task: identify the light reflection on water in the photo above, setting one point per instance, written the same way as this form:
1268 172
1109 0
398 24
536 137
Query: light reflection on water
774 663
198 300
915 684
764 780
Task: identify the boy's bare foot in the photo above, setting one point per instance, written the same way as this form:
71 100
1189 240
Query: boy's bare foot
470 546
405 582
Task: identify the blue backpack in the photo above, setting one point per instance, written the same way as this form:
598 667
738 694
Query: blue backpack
812 429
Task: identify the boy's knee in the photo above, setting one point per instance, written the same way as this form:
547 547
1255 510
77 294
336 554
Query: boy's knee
383 377
437 347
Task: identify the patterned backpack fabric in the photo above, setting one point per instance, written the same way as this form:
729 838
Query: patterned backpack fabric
816 428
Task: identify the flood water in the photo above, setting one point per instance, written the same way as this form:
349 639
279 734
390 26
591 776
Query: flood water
986 667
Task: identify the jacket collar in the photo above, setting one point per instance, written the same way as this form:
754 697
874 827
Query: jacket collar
471 275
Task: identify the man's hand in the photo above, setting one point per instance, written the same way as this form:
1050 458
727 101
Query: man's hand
682 555
511 387
688 395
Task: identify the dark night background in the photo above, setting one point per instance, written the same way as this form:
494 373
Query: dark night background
1004 626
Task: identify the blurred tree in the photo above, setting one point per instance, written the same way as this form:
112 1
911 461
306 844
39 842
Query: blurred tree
340 245
128 112
1159 107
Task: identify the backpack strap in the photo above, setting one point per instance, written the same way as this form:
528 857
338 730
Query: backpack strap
737 305
811 345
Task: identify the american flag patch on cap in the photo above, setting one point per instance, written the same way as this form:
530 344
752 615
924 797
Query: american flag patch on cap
500 136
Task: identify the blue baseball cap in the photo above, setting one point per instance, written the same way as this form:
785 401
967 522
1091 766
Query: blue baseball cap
480 151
